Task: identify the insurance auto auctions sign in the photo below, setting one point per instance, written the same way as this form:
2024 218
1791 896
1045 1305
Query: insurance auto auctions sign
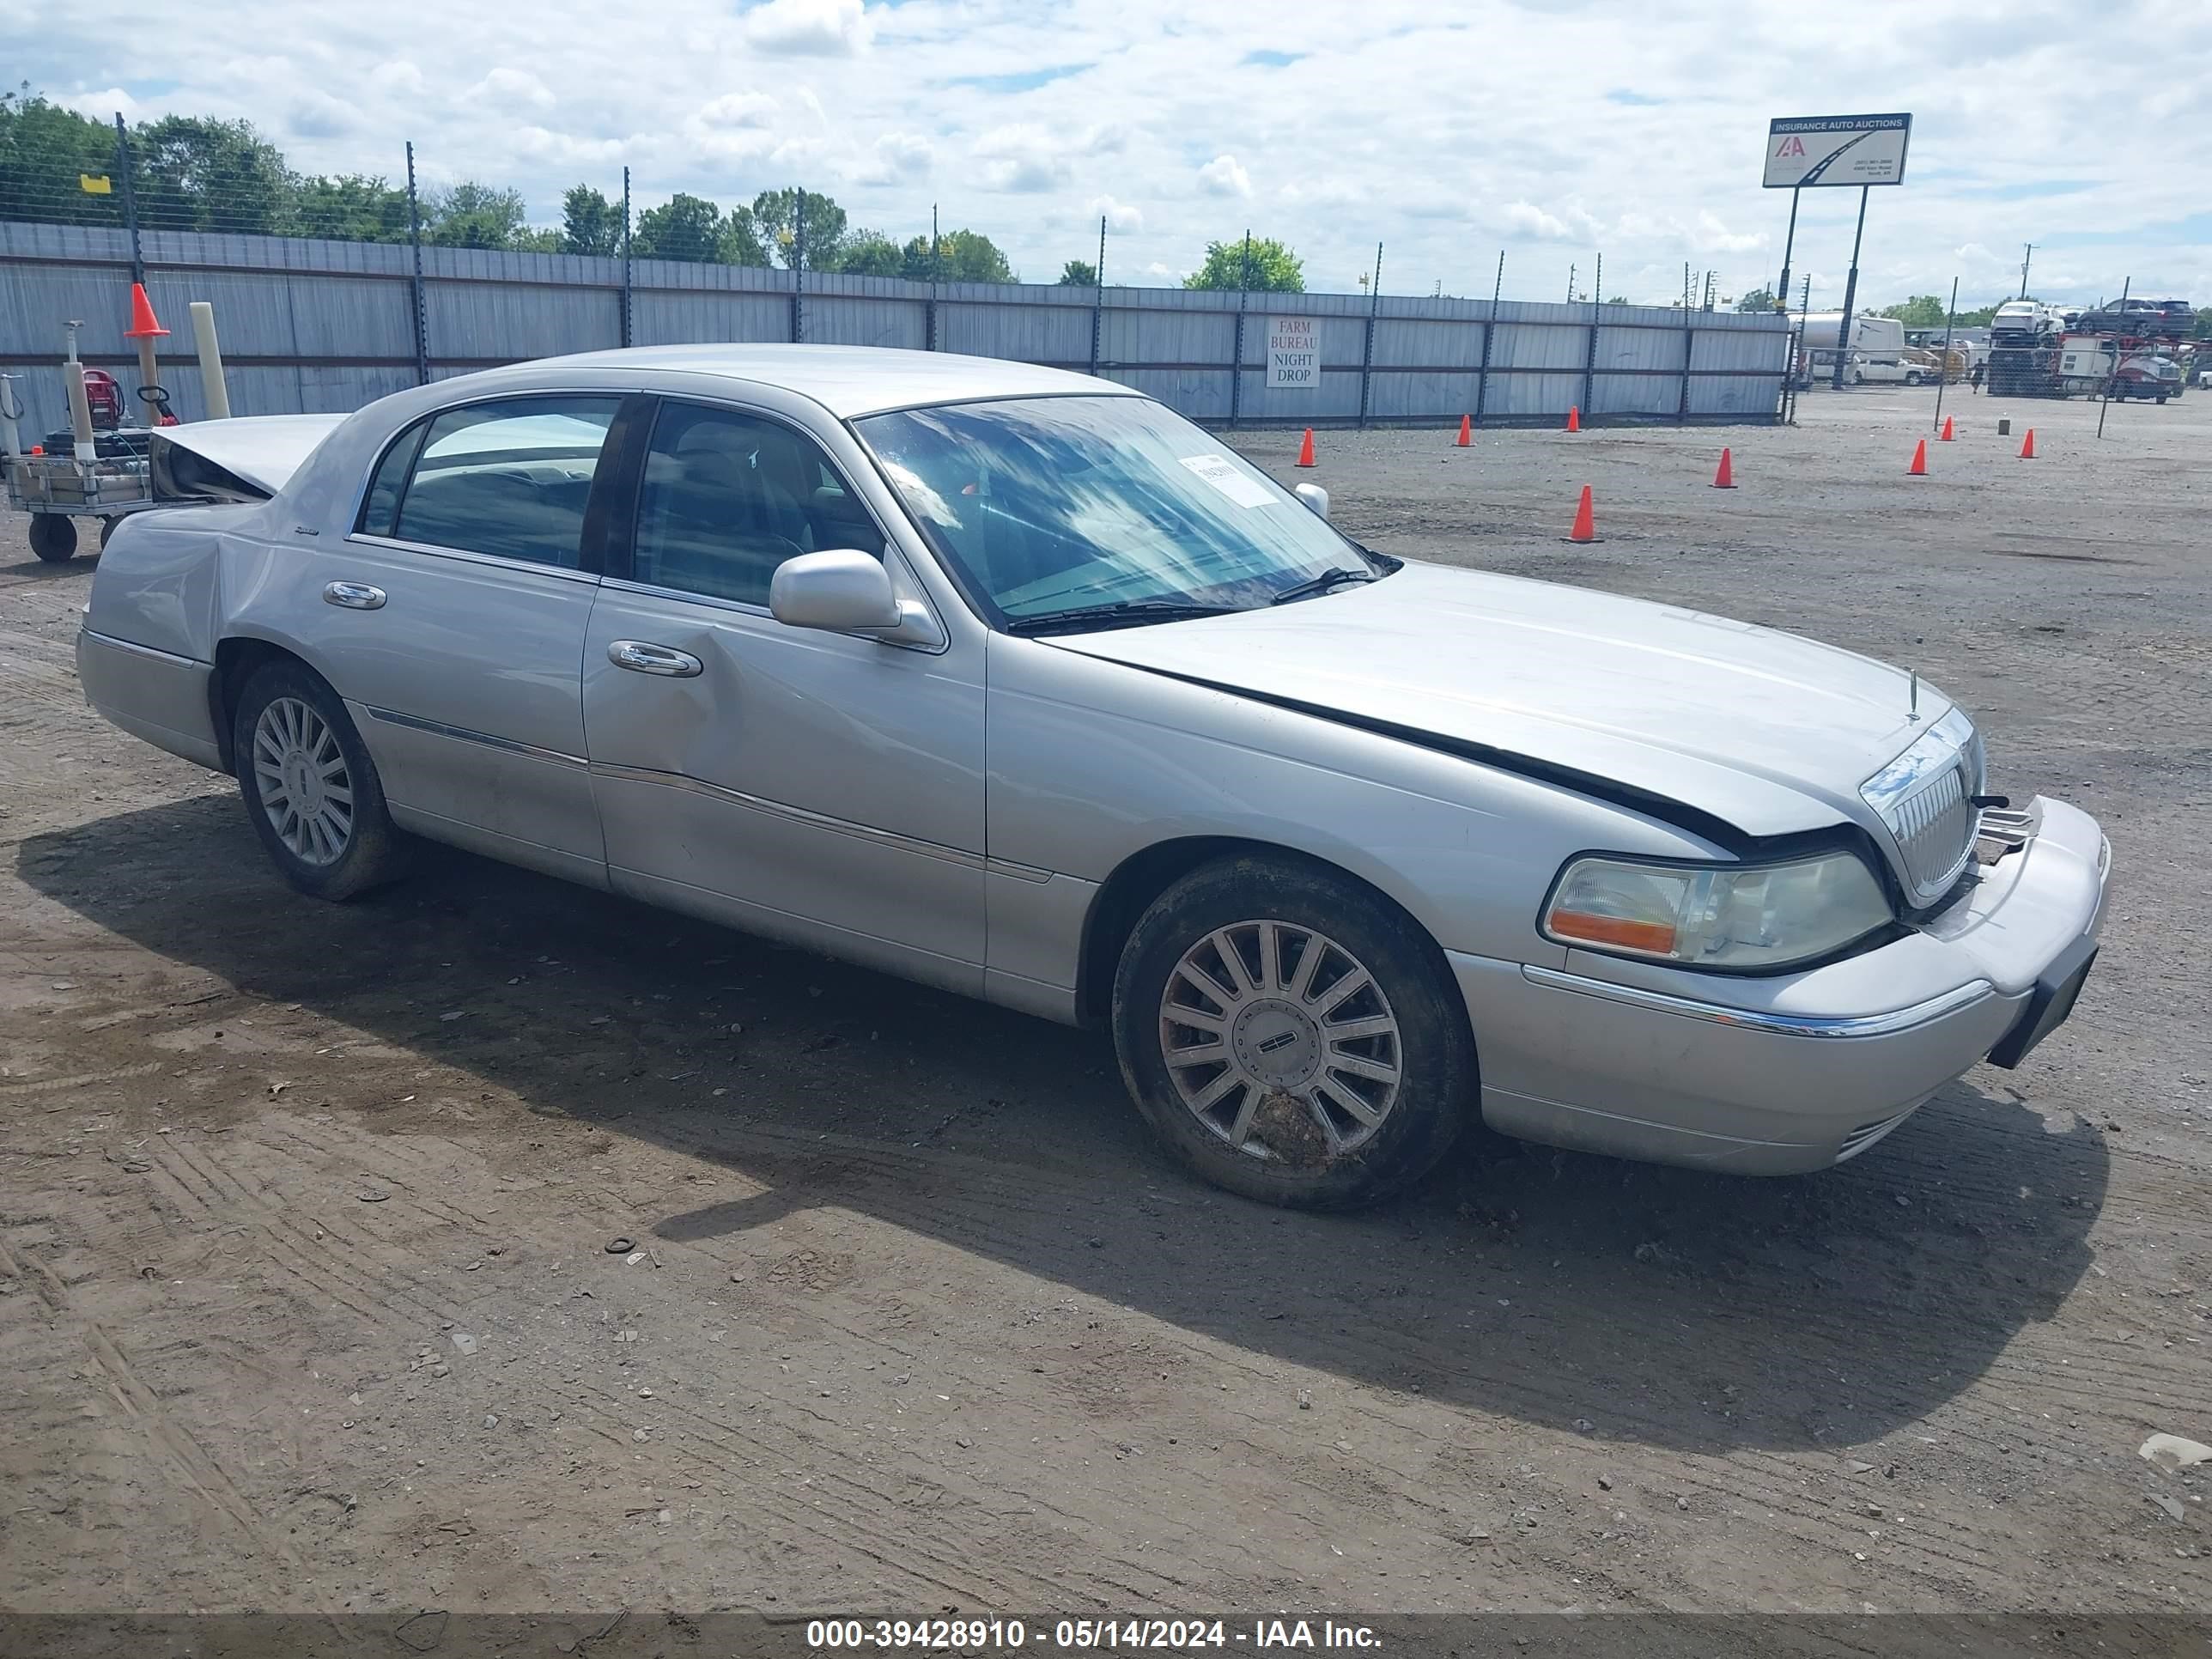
1805 151
1293 352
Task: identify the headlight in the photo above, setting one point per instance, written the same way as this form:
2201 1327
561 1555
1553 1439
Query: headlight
1741 916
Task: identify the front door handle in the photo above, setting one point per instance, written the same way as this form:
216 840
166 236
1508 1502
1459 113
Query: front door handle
640 658
354 596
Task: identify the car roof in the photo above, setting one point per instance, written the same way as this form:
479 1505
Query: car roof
853 380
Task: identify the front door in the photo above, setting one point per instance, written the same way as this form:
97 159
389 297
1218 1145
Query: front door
821 787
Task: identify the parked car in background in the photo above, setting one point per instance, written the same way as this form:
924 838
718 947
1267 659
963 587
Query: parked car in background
1015 682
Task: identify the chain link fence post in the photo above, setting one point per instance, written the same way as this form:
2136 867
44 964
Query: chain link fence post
1099 298
1590 359
627 321
1489 333
414 240
1236 353
1367 356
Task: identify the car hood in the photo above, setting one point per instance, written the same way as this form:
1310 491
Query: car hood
1767 732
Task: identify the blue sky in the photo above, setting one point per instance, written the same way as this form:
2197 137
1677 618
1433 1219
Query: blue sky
1558 130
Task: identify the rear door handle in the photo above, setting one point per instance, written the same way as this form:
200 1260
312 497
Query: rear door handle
354 596
643 659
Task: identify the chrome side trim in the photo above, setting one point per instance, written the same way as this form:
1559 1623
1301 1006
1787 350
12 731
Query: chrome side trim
1799 1025
1015 872
462 556
393 717
139 650
796 814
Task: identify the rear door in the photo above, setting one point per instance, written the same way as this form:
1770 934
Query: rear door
453 622
822 787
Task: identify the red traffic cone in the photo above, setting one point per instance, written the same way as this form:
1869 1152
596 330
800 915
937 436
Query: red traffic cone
1586 528
1574 418
1946 434
1305 449
1466 431
1724 476
143 325
2027 445
1919 467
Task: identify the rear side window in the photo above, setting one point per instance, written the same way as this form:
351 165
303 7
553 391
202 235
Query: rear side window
510 479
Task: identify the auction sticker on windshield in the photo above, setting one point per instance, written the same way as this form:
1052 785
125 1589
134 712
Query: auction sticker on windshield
1224 475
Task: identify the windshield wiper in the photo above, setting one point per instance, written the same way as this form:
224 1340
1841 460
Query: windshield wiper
1335 576
1121 611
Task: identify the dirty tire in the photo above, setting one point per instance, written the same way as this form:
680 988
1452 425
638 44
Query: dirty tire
1437 1086
53 537
373 850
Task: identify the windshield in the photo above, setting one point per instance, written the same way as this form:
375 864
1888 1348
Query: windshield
1116 507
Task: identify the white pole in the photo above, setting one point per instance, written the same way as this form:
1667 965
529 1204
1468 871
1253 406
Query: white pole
80 411
11 442
211 382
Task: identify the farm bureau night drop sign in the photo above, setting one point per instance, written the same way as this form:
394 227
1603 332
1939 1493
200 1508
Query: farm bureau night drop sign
1293 352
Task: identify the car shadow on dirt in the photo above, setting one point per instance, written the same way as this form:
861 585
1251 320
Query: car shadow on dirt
1660 1306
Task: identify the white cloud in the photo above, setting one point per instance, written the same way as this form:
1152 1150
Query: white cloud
737 109
103 106
1225 175
1023 158
893 159
1119 215
1714 237
810 28
513 86
398 76
1526 219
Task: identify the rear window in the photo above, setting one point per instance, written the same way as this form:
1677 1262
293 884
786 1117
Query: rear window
511 479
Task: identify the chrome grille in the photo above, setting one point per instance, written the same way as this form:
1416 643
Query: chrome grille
1926 797
1934 830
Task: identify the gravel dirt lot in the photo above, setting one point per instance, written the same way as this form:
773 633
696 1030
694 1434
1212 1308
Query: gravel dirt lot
305 1211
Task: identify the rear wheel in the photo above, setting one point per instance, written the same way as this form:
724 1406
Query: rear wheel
53 537
311 789
1291 1036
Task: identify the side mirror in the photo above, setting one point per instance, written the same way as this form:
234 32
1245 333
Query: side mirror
1314 498
844 590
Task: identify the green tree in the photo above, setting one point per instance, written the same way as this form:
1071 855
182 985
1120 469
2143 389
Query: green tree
1079 273
194 172
346 208
1921 310
775 219
589 222
534 238
870 254
685 227
43 151
473 214
1274 269
740 243
961 256
1759 298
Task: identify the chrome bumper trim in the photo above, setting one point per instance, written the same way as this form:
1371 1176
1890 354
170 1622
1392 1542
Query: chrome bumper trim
1798 1025
138 650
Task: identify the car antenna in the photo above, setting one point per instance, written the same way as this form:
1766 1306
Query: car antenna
1913 713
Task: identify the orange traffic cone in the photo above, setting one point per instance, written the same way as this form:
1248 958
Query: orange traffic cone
2027 445
1724 477
143 325
1919 467
1305 449
1466 431
1586 528
1946 434
1574 418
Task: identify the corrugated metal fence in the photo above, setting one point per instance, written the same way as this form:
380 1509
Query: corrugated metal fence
311 326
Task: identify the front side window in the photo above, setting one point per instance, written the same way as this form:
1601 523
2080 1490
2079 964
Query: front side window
509 479
726 497
1098 504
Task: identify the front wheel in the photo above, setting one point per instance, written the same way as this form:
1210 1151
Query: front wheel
1291 1036
311 789
53 537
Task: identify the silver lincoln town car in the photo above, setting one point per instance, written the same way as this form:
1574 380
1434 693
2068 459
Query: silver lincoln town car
1015 682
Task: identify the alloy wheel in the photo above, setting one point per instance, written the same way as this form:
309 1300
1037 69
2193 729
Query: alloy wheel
299 773
1280 1041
